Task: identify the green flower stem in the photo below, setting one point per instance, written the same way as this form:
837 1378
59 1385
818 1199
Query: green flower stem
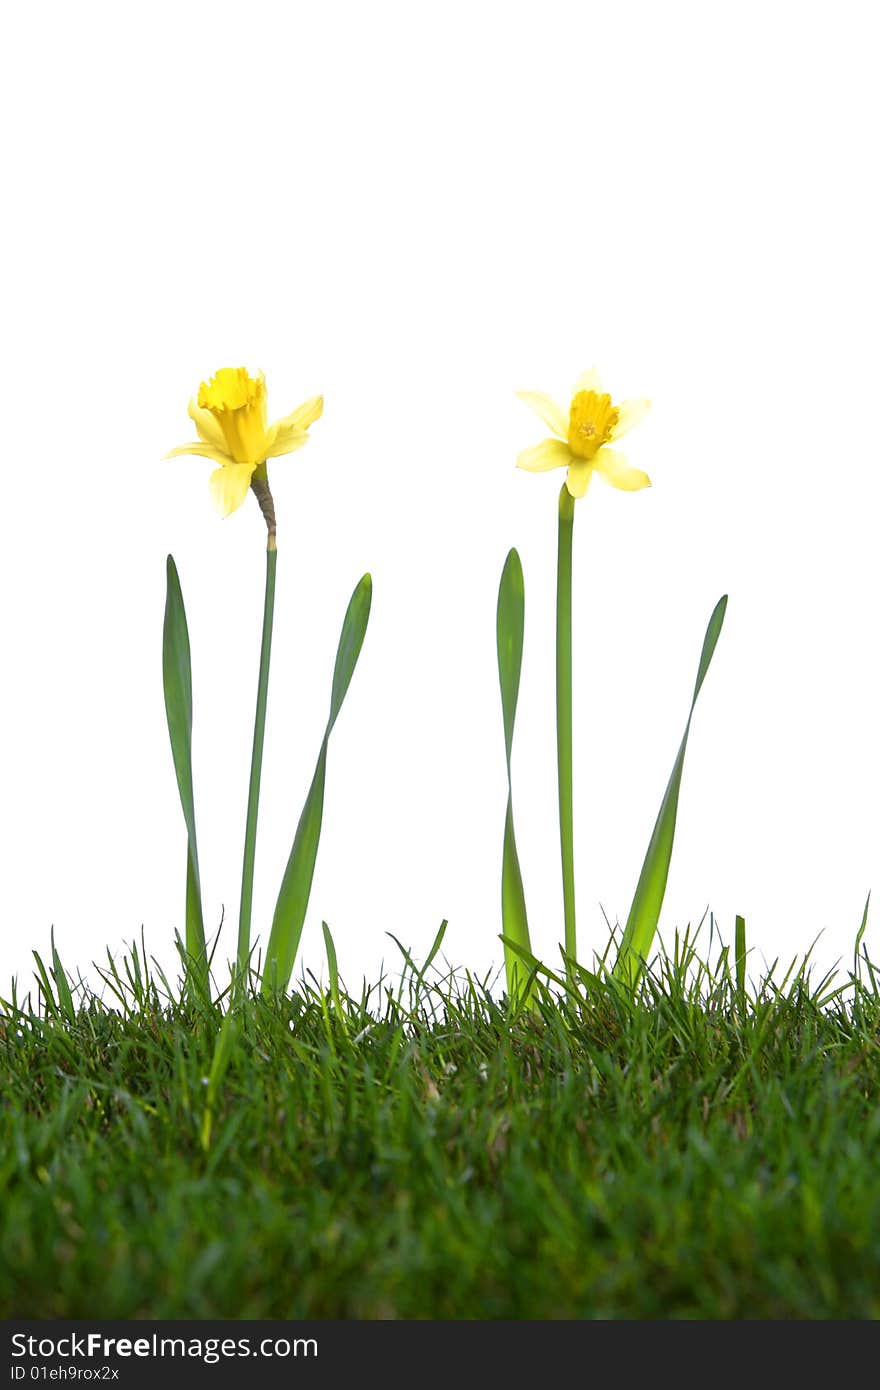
563 715
250 834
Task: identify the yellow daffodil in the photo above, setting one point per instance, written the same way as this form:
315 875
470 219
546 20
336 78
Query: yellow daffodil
583 435
230 416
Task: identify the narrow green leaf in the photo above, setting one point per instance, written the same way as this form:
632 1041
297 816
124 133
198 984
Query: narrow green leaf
740 959
437 943
63 1036
864 924
223 1049
404 952
510 619
354 629
857 962
65 999
195 933
648 900
177 681
532 963
332 962
293 899
509 632
46 985
710 642
333 966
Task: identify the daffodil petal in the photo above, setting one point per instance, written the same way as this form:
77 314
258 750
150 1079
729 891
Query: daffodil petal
547 410
206 451
304 415
588 381
207 426
629 413
229 486
578 477
614 468
550 453
285 441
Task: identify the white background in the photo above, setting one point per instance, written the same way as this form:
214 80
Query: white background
418 210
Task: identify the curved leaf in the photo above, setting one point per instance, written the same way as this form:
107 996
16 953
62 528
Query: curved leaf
293 899
509 625
177 681
645 911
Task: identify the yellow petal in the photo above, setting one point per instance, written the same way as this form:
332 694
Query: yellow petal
629 413
550 453
229 486
588 381
547 410
206 451
206 425
614 468
304 415
285 441
577 479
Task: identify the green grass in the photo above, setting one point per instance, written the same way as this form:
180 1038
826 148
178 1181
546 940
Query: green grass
711 1150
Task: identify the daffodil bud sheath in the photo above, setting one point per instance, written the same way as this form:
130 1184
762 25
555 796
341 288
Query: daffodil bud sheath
263 494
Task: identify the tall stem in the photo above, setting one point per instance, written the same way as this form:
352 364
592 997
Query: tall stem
563 715
250 835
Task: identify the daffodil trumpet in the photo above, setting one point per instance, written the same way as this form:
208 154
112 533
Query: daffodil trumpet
581 442
231 419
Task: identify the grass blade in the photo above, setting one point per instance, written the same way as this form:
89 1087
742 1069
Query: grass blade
333 967
65 999
435 947
293 899
740 961
509 625
46 985
645 911
864 924
177 681
534 966
223 1049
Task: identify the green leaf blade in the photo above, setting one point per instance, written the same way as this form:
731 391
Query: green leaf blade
223 1049
65 998
333 968
509 628
296 886
710 642
354 630
177 683
740 959
647 901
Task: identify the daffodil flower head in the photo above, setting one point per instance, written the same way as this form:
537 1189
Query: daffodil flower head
582 437
230 416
